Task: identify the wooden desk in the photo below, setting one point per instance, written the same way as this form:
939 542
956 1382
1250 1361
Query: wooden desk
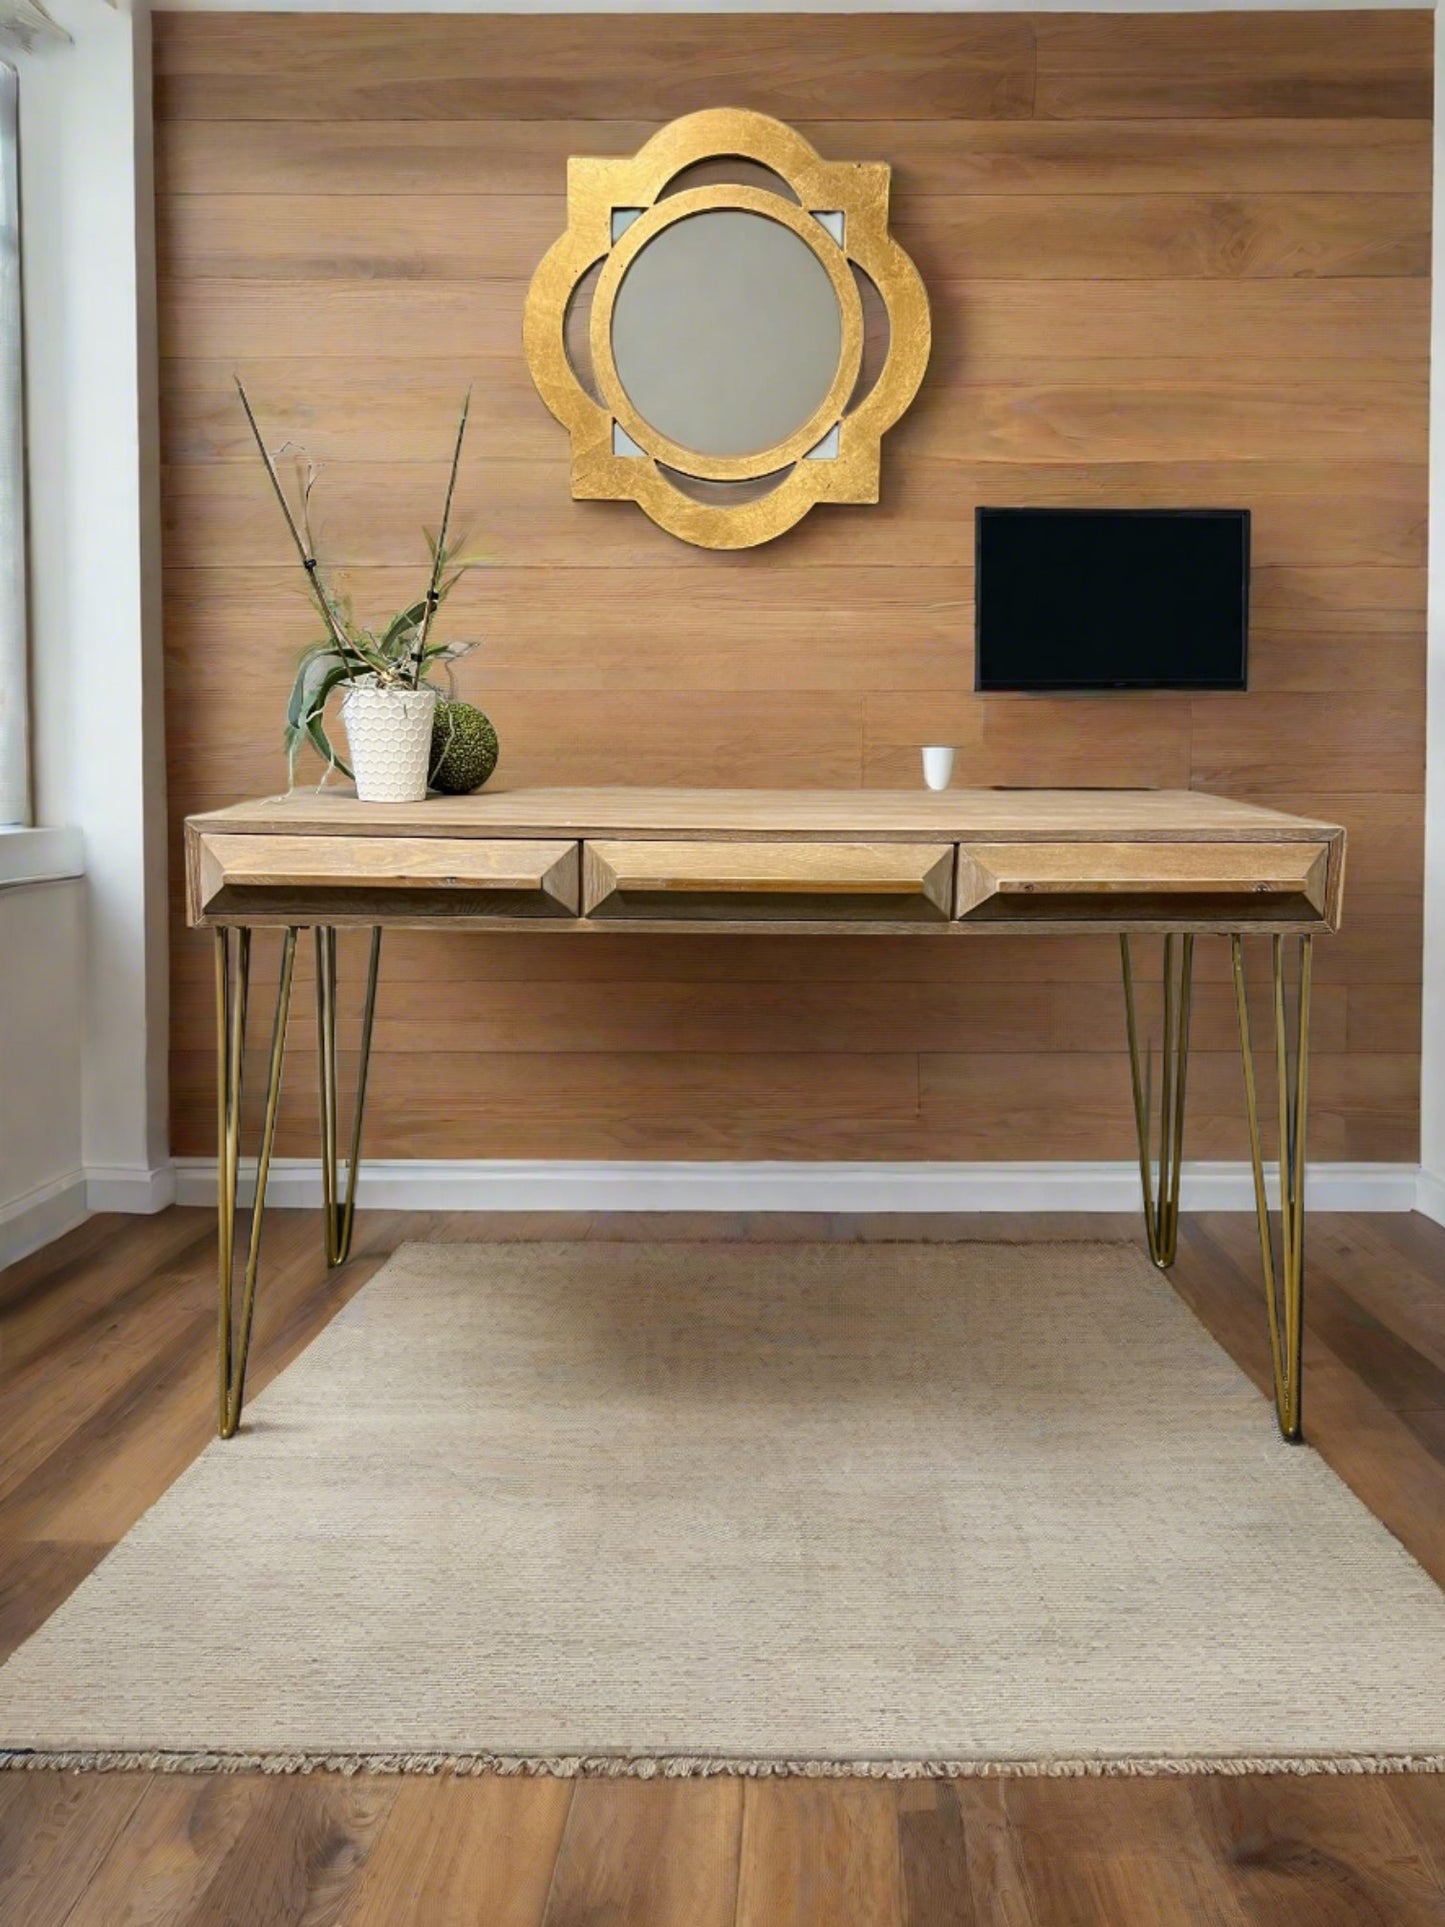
951 866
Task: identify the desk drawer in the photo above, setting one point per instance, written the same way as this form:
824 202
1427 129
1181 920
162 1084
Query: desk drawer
1239 883
768 882
359 879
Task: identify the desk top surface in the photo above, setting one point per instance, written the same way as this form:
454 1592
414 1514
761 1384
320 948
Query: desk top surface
886 815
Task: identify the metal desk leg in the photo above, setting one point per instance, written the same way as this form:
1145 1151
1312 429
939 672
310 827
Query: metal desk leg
1283 1285
1161 1211
233 973
339 1218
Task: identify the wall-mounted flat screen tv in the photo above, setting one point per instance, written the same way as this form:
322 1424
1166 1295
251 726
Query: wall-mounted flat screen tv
1111 598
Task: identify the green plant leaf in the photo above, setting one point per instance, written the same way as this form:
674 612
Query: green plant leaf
306 710
333 679
404 622
316 730
308 673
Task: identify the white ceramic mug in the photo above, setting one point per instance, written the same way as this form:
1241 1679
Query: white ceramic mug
938 768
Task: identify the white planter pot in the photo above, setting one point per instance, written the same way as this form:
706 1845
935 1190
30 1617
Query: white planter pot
389 733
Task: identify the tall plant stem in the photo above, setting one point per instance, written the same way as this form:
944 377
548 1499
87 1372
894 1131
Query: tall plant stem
439 554
308 560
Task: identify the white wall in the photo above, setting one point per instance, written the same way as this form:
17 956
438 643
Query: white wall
94 559
42 1184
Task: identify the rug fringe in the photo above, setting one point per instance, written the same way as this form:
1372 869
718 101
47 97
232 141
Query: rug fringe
683 1767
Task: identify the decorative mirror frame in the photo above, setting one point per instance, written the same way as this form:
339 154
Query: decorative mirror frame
858 190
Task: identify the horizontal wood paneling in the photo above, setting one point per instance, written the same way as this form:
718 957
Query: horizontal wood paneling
1000 237
497 157
1018 409
1377 318
972 1105
571 68
1146 65
1172 260
373 514
818 1014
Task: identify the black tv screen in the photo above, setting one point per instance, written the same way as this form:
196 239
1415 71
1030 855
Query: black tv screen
1111 598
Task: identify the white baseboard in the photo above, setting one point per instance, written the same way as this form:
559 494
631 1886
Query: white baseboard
1430 1196
507 1184
133 1187
39 1216
520 1184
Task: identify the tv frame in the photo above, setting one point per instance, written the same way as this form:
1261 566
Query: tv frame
1182 686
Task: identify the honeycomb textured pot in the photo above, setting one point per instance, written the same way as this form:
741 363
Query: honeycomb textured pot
389 732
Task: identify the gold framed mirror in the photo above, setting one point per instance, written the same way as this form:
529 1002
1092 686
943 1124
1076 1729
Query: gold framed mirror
726 329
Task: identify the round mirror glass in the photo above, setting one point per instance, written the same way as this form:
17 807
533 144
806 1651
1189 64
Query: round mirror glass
726 332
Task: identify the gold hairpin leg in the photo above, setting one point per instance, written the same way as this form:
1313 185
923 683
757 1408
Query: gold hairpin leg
233 973
1284 1285
339 1217
1161 1209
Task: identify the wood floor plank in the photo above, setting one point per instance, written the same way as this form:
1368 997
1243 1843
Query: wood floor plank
165 1858
996 1877
71 1253
816 1852
1318 1849
297 1854
35 1576
1089 1853
1418 1237
1368 1311
648 1853
55 1830
1393 1282
454 1852
88 1284
1420 1798
933 1859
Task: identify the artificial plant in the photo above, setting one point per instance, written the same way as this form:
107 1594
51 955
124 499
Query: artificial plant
399 656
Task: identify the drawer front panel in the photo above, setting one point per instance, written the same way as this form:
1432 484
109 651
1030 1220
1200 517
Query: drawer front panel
790 882
1240 883
342 879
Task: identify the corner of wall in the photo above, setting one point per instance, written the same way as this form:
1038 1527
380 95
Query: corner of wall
94 540
1432 1041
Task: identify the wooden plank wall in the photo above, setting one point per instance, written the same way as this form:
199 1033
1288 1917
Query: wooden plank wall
1172 260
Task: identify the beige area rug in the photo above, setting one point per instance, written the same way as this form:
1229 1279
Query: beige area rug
687 1508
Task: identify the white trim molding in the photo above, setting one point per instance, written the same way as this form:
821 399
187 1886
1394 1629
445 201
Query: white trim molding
782 6
39 855
1432 1038
1430 1196
40 1216
522 1184
137 1188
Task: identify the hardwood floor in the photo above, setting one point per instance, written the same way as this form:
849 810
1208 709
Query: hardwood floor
106 1392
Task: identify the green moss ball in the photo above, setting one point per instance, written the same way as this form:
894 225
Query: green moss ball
464 748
